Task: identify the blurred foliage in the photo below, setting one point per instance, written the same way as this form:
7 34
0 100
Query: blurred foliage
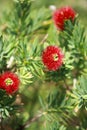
27 29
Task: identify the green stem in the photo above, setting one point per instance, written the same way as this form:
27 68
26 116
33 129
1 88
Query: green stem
1 123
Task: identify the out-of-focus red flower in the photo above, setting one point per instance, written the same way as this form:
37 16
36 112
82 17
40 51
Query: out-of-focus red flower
63 14
9 82
52 57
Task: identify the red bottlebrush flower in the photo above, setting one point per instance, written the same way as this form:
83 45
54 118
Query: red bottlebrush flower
63 14
9 82
52 57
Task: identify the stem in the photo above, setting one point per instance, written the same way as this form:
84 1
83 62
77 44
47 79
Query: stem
34 119
1 122
66 85
44 39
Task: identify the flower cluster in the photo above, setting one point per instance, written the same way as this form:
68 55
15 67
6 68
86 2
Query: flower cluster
63 14
9 82
52 57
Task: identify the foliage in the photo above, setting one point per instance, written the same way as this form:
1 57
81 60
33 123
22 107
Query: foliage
60 96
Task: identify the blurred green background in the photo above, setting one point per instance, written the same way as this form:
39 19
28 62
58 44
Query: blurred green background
31 103
79 5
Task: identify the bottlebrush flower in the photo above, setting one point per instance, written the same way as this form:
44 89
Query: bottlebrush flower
52 57
9 82
63 14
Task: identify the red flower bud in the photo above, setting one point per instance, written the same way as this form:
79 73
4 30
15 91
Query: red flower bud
63 14
52 57
9 82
